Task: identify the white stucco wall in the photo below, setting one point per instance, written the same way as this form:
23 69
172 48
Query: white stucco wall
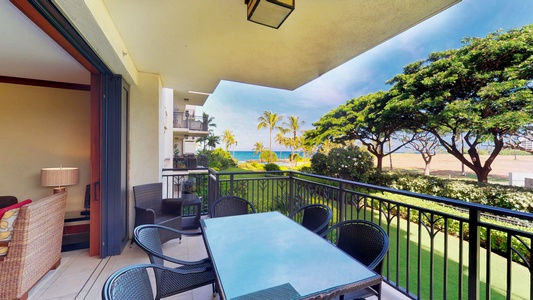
145 128
167 117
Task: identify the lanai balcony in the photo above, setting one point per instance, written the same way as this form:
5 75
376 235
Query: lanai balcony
439 247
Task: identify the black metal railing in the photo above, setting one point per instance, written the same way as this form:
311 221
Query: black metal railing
184 120
190 162
440 248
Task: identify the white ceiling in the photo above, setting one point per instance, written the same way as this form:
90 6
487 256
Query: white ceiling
27 52
194 44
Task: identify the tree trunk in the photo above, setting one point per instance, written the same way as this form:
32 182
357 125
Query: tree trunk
380 161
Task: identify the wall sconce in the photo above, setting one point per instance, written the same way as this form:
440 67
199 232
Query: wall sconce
271 13
59 177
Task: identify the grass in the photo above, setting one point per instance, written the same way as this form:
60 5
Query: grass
498 266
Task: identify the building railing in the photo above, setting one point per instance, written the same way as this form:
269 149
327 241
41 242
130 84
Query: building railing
439 247
191 162
184 120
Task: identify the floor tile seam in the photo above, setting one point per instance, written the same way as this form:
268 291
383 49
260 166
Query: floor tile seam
91 281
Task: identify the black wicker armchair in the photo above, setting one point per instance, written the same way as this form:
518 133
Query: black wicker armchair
231 206
151 208
315 217
365 241
149 238
133 282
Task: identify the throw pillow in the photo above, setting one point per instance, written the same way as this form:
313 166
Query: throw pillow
6 229
8 215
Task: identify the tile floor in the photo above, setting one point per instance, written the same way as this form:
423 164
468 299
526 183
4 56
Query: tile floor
82 277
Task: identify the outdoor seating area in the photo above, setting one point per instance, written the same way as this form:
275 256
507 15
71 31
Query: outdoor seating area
81 276
236 233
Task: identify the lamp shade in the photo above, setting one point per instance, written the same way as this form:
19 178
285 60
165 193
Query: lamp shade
271 13
59 176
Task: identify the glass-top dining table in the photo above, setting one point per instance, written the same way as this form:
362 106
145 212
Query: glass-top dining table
269 256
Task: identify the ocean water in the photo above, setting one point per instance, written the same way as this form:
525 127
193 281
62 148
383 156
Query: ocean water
243 156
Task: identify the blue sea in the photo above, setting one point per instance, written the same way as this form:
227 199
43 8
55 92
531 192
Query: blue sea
243 156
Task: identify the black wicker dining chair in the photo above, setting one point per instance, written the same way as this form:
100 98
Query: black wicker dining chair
148 237
133 282
315 217
231 206
365 241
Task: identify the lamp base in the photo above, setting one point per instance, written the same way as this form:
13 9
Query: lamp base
59 190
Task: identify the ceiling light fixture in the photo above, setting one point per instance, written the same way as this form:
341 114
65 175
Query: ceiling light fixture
271 13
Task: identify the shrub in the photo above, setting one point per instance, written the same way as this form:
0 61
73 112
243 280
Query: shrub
517 198
219 159
271 167
319 163
265 156
349 163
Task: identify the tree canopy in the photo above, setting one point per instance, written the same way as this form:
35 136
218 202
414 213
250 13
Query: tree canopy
482 92
364 119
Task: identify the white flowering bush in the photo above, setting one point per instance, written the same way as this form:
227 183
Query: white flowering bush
350 163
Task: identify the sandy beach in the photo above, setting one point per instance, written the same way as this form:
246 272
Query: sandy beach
446 164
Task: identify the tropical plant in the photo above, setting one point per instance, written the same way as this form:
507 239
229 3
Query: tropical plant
269 120
219 159
229 139
258 149
268 155
204 140
213 141
293 125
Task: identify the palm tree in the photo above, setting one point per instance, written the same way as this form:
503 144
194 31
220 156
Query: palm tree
204 140
269 120
209 121
258 148
281 139
294 125
213 140
228 138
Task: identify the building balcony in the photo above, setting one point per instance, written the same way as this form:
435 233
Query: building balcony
187 124
440 248
190 162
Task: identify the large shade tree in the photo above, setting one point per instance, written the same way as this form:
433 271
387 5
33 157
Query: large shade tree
481 91
364 119
269 120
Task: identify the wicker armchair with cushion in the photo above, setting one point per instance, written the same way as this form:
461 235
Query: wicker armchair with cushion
365 241
133 282
35 246
231 206
148 237
314 217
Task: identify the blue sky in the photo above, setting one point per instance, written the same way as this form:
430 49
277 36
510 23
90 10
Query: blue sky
237 106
